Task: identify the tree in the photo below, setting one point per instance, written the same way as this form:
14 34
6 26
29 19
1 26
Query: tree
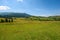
12 20
2 20
6 20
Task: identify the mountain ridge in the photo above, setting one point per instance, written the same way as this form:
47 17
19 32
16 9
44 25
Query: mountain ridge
13 14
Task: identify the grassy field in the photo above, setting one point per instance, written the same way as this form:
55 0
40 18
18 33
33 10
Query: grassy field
30 30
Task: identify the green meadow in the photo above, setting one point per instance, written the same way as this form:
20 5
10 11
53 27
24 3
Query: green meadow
22 29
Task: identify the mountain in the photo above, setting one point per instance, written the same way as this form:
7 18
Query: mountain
13 14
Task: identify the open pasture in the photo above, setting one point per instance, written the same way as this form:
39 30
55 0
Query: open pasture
22 29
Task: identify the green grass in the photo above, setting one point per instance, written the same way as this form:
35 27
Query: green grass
30 30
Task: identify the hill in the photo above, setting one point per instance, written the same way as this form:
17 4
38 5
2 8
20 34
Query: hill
13 14
25 15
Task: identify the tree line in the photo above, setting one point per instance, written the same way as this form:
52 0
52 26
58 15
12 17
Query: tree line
39 18
6 20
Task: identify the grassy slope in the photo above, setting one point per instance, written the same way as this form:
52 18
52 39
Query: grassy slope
30 30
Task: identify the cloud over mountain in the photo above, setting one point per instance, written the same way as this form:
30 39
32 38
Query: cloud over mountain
4 7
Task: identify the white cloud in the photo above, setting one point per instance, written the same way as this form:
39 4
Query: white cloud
4 8
20 0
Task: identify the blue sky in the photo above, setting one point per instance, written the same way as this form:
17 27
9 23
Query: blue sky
33 7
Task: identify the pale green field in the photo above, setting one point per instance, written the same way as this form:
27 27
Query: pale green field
30 30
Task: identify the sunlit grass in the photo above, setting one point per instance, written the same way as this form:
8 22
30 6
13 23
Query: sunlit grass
22 29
